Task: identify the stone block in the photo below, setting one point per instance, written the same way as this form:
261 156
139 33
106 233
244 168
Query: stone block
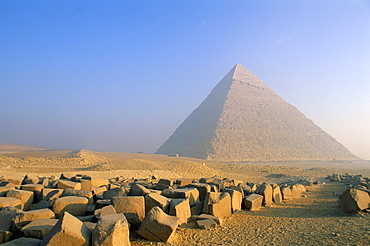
74 205
39 228
104 211
30 179
277 198
153 199
26 197
111 230
36 188
5 236
63 184
236 199
10 202
4 190
158 226
191 194
181 209
253 201
22 241
51 194
7 214
68 231
354 200
206 224
81 193
25 218
133 207
138 190
297 190
202 188
217 204
119 191
197 208
286 192
266 191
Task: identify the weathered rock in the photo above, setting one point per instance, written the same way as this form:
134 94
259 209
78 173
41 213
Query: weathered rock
153 199
4 190
236 199
253 201
25 218
111 230
51 194
5 236
286 192
119 191
266 191
277 198
26 197
353 200
138 190
68 231
36 188
181 209
104 211
43 204
10 202
82 193
183 182
206 223
39 228
297 190
192 194
217 204
74 205
30 179
7 215
23 241
197 208
133 207
218 220
89 185
158 226
202 188
63 184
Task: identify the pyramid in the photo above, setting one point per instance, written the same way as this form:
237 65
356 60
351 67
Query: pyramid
243 120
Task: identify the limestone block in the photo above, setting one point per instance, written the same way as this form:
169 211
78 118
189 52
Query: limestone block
68 231
111 230
89 185
354 200
183 182
197 208
10 201
266 191
153 199
63 184
4 190
74 205
133 207
236 199
217 204
119 191
202 188
26 197
181 209
36 188
277 198
104 211
7 214
30 179
22 241
206 223
5 236
218 220
191 194
25 218
297 190
138 190
253 201
39 228
82 193
51 194
158 226
286 192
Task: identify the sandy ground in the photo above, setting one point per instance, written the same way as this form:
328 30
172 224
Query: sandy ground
312 220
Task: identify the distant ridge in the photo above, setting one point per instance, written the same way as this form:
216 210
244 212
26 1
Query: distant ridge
243 120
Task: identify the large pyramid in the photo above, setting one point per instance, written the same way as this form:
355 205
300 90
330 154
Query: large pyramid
244 120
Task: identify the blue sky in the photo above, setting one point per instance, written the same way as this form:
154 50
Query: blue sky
122 75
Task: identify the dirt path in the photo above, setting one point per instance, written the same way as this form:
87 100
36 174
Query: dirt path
312 220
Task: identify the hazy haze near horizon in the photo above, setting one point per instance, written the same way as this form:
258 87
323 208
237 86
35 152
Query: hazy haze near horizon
123 75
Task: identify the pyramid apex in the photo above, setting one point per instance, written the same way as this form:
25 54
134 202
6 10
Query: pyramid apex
244 75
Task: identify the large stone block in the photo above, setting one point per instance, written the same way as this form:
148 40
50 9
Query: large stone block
26 197
266 191
25 218
23 241
153 199
297 190
138 190
111 230
236 199
133 207
89 185
7 214
181 209
74 205
354 200
63 184
4 190
119 191
10 202
30 179
51 194
191 194
286 192
217 204
36 188
81 193
68 231
277 198
39 228
158 226
202 188
253 201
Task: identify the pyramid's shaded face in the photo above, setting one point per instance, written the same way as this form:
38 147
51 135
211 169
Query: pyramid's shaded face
243 120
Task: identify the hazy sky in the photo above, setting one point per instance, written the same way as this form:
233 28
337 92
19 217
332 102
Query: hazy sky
123 75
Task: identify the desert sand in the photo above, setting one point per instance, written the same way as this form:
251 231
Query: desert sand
312 220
